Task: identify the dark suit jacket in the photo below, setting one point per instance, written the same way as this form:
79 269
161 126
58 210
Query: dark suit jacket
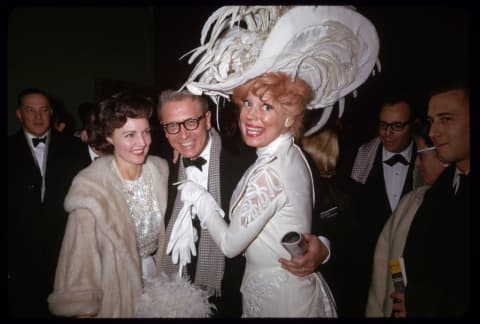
84 155
374 199
235 158
372 209
35 229
437 252
346 242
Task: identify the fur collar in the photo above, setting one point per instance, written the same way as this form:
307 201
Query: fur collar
108 205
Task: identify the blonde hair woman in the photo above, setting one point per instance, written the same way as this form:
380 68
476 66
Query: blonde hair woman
324 149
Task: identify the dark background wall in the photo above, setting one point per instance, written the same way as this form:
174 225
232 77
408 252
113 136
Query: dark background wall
81 53
77 53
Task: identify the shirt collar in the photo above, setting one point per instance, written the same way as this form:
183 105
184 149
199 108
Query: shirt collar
406 153
272 147
30 136
206 151
456 178
92 154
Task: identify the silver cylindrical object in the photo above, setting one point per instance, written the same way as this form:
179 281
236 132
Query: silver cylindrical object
294 243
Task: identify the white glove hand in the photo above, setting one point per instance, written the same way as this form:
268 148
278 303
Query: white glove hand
190 191
183 238
201 199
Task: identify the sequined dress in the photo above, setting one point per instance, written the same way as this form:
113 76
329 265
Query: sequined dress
146 216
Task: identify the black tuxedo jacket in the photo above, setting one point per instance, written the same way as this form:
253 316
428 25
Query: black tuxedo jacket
341 227
35 229
371 211
372 199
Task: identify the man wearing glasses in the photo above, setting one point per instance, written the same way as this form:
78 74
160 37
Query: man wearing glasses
383 171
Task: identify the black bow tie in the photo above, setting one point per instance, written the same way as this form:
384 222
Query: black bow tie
395 159
198 162
37 141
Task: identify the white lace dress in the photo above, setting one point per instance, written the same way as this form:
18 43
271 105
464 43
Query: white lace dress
273 197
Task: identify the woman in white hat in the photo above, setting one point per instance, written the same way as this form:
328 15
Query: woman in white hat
280 62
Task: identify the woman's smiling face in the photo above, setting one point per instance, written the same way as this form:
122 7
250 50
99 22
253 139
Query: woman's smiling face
131 141
261 121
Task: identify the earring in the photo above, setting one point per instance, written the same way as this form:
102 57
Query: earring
286 122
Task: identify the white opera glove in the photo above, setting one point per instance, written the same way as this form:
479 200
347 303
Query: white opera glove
183 238
205 205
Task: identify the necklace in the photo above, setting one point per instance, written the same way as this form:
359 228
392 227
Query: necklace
138 192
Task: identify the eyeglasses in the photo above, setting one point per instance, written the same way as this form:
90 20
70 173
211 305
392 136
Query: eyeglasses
189 124
396 126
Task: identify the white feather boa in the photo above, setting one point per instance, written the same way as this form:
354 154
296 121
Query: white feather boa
173 297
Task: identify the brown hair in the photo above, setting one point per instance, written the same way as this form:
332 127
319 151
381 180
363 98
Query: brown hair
290 95
113 113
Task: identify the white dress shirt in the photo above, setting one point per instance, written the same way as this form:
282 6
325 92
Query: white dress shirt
395 175
456 179
194 174
39 150
40 155
92 154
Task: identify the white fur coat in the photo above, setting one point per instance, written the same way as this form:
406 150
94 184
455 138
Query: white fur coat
98 271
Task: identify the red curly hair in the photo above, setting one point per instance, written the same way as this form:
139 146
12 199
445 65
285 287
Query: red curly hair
290 95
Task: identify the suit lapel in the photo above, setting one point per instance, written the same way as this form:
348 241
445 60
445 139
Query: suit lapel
408 185
26 154
378 180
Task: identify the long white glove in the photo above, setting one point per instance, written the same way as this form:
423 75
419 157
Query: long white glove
183 238
205 205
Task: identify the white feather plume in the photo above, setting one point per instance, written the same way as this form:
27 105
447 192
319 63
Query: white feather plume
332 48
231 50
174 297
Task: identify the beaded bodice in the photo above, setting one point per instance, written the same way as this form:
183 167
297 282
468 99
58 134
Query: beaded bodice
144 210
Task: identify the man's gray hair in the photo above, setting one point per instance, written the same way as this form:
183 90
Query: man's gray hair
174 95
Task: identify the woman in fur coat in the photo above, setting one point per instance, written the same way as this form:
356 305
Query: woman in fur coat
113 242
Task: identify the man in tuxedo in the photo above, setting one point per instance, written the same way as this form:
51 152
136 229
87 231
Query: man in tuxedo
383 171
187 124
437 250
41 166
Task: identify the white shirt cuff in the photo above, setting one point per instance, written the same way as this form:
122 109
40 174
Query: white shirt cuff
326 242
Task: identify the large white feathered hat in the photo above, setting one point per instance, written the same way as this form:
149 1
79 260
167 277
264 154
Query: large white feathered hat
332 48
